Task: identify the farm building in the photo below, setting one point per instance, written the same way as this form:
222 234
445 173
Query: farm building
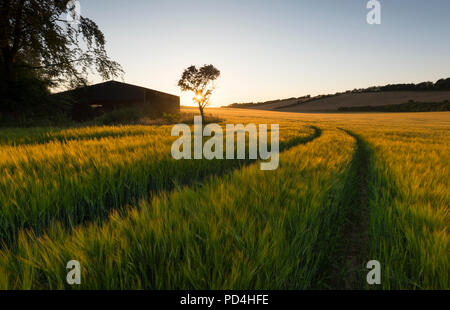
94 100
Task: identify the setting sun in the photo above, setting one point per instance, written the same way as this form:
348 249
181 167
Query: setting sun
198 97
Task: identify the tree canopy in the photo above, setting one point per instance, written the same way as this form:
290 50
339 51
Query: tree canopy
201 82
42 40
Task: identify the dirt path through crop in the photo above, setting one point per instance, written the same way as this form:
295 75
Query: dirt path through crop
353 256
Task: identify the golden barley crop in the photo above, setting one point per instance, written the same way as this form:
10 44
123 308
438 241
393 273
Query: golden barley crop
349 188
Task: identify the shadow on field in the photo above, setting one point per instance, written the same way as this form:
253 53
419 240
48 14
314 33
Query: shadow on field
126 190
348 268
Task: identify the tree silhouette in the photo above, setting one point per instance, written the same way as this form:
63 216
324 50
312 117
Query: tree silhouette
201 82
43 38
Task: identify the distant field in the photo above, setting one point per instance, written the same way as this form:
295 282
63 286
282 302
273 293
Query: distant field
357 100
350 188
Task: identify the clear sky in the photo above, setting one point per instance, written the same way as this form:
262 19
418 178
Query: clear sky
274 49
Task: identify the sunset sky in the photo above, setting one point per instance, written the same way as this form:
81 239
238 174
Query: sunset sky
275 49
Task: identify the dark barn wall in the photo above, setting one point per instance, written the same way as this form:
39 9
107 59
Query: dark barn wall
108 96
115 95
160 103
111 93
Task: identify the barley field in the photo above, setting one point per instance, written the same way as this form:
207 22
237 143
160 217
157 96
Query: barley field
350 188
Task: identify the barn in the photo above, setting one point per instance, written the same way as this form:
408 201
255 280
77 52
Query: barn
94 100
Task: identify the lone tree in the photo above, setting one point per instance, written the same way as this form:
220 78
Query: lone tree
201 82
49 42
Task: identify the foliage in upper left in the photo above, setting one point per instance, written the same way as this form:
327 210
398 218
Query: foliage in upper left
40 49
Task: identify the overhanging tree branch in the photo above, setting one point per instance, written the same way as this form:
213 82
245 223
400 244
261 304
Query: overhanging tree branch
34 36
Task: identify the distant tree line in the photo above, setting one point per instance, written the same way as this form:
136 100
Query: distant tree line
411 106
440 85
257 104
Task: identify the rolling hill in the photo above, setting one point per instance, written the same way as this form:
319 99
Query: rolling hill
333 103
375 96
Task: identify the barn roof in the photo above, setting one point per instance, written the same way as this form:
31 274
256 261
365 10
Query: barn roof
113 91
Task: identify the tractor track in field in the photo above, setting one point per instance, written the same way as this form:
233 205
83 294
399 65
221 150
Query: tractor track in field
8 237
353 253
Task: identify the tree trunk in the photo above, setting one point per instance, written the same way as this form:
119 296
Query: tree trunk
9 53
7 87
201 113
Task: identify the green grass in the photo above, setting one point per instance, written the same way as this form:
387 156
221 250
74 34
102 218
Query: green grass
112 198
235 232
77 181
42 135
409 208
